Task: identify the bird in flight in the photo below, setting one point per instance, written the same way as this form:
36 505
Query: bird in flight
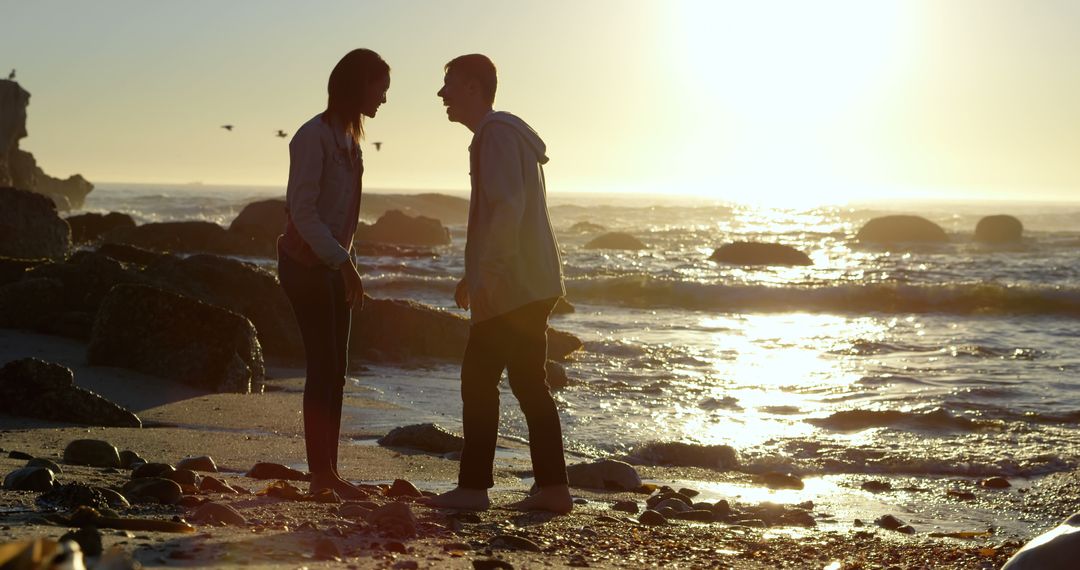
11 75
282 133
227 127
378 146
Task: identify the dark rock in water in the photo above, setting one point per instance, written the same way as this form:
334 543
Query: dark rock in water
30 227
556 375
38 479
129 254
876 486
900 229
70 496
776 480
651 518
395 519
186 237
626 506
261 221
995 483
511 542
604 474
721 457
170 336
562 344
203 463
92 452
395 226
218 513
90 226
1055 549
999 229
751 253
152 470
403 488
276 471
214 485
587 227
616 240
37 389
28 304
854 420
563 307
450 209
889 522
183 477
798 517
163 491
129 459
240 287
13 269
88 539
423 437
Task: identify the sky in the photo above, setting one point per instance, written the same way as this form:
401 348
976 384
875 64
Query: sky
772 101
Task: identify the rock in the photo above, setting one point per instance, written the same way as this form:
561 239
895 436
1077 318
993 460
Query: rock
355 510
889 522
604 474
562 344
587 228
999 229
798 517
405 565
186 237
182 476
92 452
901 228
37 389
995 483
1055 549
403 488
491 564
214 485
563 307
511 542
616 240
423 437
46 463
90 226
130 460
556 375
753 253
395 519
261 221
696 515
203 463
688 492
130 254
70 496
626 507
326 549
88 539
721 457
160 490
39 479
178 338
30 226
395 226
13 269
776 480
218 513
451 209
276 471
152 470
651 518
876 486
114 499
674 504
30 303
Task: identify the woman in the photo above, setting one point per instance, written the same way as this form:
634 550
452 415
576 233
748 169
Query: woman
315 263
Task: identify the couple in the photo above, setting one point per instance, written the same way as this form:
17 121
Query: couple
513 274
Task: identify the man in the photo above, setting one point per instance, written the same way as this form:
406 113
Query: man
513 277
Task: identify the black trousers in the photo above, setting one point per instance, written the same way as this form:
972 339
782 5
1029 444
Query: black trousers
517 342
317 295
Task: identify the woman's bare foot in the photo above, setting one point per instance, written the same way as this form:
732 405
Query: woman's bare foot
555 498
343 488
460 498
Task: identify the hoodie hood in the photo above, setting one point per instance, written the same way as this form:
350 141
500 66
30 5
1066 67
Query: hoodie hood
522 128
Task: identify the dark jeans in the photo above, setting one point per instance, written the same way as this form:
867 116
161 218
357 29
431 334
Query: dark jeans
516 342
317 295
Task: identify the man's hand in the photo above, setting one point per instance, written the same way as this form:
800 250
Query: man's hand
461 294
354 287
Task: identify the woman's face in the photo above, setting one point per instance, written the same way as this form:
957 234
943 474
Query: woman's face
375 96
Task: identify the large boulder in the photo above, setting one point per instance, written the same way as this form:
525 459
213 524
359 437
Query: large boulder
396 227
239 287
449 209
13 269
999 229
90 226
604 474
262 221
1056 549
186 237
34 388
30 226
900 229
30 303
752 253
616 240
171 336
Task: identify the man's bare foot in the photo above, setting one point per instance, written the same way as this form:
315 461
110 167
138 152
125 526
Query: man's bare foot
343 488
555 498
460 498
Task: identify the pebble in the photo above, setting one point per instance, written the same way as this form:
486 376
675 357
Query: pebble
675 505
92 452
626 507
511 542
214 485
276 471
996 483
203 463
403 488
652 518
152 470
38 479
396 519
164 491
46 463
129 459
182 476
688 492
580 501
219 513
889 522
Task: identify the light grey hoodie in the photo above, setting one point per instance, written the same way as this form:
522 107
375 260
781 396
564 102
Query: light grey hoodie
511 255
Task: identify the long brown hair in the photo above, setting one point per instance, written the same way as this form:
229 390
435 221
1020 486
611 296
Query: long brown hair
348 86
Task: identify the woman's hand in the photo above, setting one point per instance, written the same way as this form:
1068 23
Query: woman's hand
461 294
354 287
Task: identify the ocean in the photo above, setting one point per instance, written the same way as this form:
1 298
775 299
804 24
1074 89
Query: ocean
959 360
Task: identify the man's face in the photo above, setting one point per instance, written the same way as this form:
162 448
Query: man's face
455 96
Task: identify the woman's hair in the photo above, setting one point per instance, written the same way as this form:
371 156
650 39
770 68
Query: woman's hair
476 67
348 85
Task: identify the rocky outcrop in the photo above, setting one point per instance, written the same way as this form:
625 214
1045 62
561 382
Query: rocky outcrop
89 227
186 237
37 389
13 269
19 168
752 253
398 228
261 221
30 226
901 229
449 209
999 229
170 336
616 240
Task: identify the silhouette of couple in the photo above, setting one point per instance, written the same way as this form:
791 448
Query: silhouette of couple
513 273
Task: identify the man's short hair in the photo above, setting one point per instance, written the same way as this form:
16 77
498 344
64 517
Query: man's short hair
476 67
